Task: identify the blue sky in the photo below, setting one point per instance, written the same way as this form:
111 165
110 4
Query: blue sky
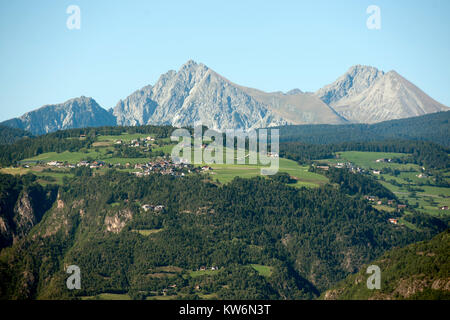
270 45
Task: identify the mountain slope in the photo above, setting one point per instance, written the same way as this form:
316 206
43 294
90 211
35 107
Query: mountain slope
198 94
418 271
310 238
367 95
74 113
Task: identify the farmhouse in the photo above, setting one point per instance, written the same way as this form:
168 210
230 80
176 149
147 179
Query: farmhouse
393 221
83 164
54 163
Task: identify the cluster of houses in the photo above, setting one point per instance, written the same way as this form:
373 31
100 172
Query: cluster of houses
157 208
167 167
203 268
388 202
92 165
135 143
163 166
383 160
340 165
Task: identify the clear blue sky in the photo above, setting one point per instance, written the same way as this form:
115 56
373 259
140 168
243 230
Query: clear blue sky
270 45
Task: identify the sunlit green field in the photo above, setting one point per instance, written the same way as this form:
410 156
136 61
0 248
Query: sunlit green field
147 232
227 172
44 177
66 156
367 160
198 273
265 271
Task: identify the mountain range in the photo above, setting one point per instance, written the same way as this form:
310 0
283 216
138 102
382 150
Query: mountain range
75 113
197 94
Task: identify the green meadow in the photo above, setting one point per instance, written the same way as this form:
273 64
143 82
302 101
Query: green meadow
407 185
265 271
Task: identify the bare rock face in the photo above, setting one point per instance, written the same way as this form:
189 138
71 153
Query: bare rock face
367 95
75 113
196 94
22 208
24 217
16 222
116 222
353 82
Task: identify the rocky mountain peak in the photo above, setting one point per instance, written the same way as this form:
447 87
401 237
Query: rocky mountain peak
389 96
74 113
198 94
294 91
354 81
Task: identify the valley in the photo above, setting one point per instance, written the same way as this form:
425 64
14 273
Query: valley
222 231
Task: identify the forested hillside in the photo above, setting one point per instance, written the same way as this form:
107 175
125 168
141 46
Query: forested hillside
419 152
418 271
10 135
308 239
110 201
432 127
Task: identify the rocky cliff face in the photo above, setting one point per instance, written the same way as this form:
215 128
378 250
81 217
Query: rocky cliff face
196 94
18 222
367 95
75 113
21 211
353 82
24 215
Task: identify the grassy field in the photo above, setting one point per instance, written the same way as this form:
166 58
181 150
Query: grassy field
198 273
427 198
224 173
70 157
108 296
44 177
265 271
14 171
147 232
367 160
384 208
227 172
